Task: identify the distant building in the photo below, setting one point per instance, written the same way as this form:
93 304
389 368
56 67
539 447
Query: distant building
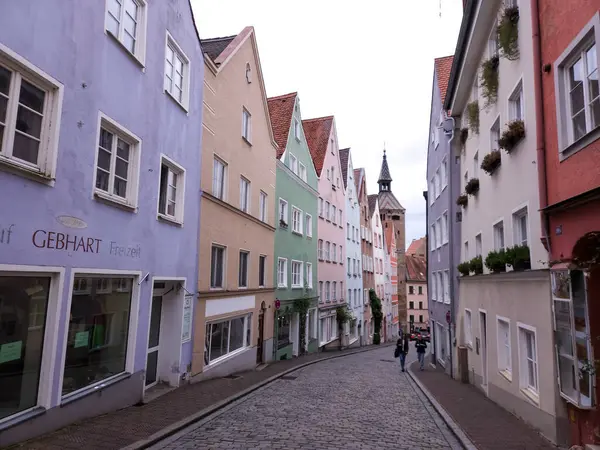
416 291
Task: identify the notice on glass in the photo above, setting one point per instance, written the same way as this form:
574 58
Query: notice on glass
81 339
10 351
186 333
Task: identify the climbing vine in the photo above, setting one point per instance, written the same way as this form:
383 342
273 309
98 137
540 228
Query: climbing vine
377 315
301 306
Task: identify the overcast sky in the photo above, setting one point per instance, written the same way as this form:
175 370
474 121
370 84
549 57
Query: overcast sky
370 64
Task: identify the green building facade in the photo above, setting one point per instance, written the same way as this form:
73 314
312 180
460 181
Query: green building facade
295 258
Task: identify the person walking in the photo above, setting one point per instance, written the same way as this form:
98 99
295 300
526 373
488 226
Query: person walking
401 350
421 346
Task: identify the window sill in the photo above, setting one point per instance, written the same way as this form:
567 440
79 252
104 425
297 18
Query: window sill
506 374
247 141
242 288
20 417
113 201
93 388
281 286
170 220
530 395
297 233
177 102
225 358
135 58
580 144
14 166
577 405
216 288
296 286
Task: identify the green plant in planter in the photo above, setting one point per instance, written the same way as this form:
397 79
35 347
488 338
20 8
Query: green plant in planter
489 79
473 116
476 265
508 33
464 135
513 134
472 186
495 261
464 269
518 257
462 200
377 313
491 162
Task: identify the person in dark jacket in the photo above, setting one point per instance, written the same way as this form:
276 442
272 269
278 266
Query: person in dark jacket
402 350
421 346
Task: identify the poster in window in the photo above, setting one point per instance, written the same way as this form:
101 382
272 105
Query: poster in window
186 333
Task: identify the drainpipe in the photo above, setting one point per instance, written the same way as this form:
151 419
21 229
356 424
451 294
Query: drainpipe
539 124
452 269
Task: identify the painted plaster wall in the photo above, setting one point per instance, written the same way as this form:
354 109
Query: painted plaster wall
352 245
121 89
419 301
368 278
336 234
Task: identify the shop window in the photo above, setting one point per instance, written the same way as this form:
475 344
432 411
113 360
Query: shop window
98 332
573 346
225 337
23 307
283 331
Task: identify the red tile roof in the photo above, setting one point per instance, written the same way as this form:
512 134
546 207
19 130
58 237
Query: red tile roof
281 109
317 133
443 66
416 247
416 268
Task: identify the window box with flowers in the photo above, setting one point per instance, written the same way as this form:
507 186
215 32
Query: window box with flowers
513 134
462 200
495 261
491 162
508 33
489 79
518 257
476 265
473 116
472 186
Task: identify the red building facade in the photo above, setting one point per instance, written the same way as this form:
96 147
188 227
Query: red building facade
568 116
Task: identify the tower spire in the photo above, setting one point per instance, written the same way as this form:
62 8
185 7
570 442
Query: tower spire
385 178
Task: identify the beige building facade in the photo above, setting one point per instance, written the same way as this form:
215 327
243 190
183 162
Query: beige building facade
234 316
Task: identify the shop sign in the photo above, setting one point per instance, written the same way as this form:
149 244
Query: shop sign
60 241
186 334
5 233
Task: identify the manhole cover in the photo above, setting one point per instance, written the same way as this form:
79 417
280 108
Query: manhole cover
288 377
387 360
232 377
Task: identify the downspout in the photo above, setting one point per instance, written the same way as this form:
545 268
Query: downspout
539 125
450 252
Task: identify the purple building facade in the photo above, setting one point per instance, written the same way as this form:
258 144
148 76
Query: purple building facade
100 135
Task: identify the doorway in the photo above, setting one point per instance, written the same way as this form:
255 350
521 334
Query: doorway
295 334
154 341
484 363
259 344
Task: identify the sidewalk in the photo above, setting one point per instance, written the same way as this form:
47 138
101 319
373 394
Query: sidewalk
487 425
126 426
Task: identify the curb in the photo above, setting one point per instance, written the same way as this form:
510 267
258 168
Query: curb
183 423
450 422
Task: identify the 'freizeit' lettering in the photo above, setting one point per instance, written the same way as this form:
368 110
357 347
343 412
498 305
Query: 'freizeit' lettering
61 241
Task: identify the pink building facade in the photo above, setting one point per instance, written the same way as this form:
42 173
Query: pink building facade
323 144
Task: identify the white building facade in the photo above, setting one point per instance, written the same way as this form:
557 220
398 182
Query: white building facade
379 262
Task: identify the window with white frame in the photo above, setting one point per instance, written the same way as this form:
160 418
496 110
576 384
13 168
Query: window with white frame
334 291
334 253
573 345
468 328
293 164
528 363
495 135
219 183
171 190
333 214
466 178
281 272
440 287
320 249
341 254
504 353
302 172
445 227
327 250
320 207
297 129
262 206
327 216
327 291
244 195
431 192
446 281
478 245
309 275
243 269
520 227
283 212
433 288
499 235
126 21
177 72
475 89
217 267
466 251
308 225
227 336
30 104
340 218
296 220
432 243
515 104
348 230
438 184
117 165
476 165
246 125
262 267
438 232
493 43
444 169
296 274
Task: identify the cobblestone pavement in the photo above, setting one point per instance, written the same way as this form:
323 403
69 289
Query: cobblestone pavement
362 401
488 426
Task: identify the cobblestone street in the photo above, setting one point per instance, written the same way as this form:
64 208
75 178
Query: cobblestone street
357 402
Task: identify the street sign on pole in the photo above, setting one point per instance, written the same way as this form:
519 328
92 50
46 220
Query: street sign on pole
277 304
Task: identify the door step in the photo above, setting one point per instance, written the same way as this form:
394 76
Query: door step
260 367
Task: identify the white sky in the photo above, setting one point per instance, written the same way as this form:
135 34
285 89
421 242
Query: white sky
370 64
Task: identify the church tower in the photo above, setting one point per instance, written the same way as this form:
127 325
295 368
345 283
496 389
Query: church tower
392 212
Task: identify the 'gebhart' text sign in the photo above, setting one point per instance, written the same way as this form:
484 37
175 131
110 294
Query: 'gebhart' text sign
54 240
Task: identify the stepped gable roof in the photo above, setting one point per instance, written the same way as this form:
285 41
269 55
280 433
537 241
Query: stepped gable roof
317 133
344 154
281 110
415 268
